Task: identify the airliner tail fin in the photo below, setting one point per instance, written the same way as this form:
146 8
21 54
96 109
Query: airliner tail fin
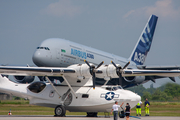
144 43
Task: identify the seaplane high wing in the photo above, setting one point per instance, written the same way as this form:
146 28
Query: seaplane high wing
83 72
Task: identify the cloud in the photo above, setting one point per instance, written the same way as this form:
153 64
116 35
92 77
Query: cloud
162 8
129 13
62 8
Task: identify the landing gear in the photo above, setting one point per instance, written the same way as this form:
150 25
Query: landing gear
91 114
60 111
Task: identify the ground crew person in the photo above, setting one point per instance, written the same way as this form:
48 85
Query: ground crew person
115 109
127 111
138 108
147 104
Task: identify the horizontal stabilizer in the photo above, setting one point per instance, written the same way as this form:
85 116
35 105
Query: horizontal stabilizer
173 79
153 80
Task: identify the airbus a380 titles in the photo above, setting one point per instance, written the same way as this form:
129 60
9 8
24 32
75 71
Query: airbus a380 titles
81 69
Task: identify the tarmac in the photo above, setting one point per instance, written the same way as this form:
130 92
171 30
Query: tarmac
44 117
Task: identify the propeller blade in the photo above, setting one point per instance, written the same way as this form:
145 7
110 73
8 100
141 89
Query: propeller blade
126 65
120 79
114 64
87 63
100 65
93 71
94 80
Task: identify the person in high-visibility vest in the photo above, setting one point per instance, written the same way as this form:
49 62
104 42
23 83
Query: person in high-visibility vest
147 104
138 108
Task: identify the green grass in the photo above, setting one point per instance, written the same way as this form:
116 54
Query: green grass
14 102
22 107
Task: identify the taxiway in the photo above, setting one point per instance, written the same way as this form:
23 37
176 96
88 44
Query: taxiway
43 117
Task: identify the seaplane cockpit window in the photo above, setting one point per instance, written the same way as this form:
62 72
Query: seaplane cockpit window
113 88
120 87
45 48
36 87
108 88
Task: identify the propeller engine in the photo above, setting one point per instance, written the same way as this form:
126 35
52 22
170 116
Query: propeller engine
119 71
93 70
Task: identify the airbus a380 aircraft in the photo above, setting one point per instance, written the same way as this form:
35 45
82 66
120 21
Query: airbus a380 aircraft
57 52
79 68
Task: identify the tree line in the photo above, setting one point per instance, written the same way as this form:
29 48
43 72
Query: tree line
167 92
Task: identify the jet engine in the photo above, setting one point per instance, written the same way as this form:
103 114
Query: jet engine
137 79
24 79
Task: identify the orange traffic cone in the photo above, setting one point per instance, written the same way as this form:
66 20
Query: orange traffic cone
10 112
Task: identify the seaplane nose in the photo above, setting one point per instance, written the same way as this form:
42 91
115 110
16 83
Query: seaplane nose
135 97
138 98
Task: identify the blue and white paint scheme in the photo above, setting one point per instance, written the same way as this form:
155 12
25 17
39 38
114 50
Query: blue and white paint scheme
144 43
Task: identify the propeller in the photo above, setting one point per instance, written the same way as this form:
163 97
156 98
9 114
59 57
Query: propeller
119 71
92 70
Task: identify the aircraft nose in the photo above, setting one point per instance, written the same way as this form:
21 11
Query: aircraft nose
138 97
135 97
38 58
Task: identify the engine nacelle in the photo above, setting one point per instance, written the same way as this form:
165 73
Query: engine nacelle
24 79
82 70
137 79
108 71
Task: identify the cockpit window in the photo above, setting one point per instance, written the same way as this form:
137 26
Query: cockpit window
36 87
112 88
45 48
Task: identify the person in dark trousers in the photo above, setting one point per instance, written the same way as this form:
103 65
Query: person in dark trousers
115 109
127 111
146 105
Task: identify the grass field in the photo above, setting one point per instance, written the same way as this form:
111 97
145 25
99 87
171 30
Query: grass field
22 107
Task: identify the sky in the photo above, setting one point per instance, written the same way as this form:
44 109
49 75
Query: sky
112 26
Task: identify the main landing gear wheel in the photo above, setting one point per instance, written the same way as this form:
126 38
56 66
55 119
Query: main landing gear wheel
91 114
60 111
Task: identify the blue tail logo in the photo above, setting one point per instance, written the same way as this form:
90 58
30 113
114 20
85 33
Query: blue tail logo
144 43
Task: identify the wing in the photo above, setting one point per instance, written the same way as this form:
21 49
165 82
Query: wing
35 71
138 72
77 71
143 67
158 67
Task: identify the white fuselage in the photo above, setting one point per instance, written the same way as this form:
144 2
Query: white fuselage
88 100
56 52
